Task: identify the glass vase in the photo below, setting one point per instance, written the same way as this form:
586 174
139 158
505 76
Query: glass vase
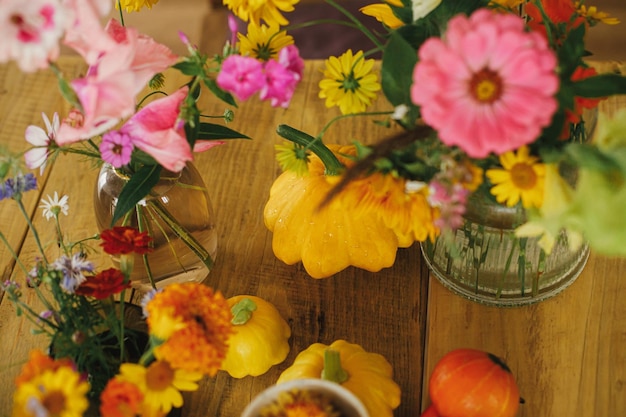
178 215
487 263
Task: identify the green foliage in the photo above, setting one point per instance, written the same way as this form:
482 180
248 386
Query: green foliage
138 186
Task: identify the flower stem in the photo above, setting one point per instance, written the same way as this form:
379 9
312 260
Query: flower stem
13 254
332 367
331 163
32 229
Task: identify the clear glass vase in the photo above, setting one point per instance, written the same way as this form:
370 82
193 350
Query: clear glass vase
179 217
488 264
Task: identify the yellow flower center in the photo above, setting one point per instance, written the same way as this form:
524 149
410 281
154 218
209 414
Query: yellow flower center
159 376
486 86
303 409
54 402
523 176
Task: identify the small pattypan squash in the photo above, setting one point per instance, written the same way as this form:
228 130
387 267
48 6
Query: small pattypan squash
329 239
366 375
260 338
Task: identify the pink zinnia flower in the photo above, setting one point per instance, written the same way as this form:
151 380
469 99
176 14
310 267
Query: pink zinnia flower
280 84
116 148
30 32
157 130
241 75
488 86
40 139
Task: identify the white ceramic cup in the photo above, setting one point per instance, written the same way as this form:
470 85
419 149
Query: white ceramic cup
345 401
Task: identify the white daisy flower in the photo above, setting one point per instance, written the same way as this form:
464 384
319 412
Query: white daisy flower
53 206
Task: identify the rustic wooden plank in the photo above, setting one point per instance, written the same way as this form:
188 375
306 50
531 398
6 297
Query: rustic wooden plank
567 352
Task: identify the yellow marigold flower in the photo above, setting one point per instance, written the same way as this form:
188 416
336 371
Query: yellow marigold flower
263 42
257 10
135 5
297 403
349 82
200 344
160 384
59 392
383 13
594 16
522 177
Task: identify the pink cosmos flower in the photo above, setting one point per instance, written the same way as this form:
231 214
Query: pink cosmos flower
157 130
30 32
280 84
116 148
40 139
241 75
108 90
488 86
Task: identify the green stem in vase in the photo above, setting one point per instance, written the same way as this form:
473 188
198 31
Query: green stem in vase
141 224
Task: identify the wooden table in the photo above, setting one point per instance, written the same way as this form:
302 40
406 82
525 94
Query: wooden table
568 353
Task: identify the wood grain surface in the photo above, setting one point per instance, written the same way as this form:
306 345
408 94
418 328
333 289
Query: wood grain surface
567 352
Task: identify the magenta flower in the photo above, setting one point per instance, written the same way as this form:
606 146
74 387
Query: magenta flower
157 130
241 75
116 148
489 86
289 57
280 84
40 139
30 32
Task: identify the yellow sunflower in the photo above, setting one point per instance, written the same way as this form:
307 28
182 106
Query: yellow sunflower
160 384
270 11
201 326
263 42
383 13
135 5
522 178
349 82
59 392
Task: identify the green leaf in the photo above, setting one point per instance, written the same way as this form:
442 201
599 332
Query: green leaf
398 62
219 93
137 187
602 85
589 156
210 131
189 68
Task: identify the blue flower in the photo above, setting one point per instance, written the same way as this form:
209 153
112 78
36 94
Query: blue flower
72 270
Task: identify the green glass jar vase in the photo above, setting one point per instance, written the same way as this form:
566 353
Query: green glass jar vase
177 214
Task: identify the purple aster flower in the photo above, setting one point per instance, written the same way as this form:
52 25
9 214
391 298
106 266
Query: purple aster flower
6 189
116 148
72 270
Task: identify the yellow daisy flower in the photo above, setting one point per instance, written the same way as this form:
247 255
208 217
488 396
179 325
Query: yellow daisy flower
594 16
161 385
522 177
293 157
383 13
269 11
135 5
349 82
263 42
59 392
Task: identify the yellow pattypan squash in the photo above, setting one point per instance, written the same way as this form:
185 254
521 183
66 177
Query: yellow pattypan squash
367 375
329 239
260 338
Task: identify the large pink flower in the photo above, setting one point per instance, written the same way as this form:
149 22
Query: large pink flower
158 131
488 86
84 33
30 32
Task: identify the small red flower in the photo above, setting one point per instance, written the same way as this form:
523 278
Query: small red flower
122 240
120 398
104 284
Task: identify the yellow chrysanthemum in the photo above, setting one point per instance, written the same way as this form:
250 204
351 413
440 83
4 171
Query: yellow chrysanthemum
263 42
383 13
349 82
292 157
522 177
200 344
594 16
509 4
135 5
161 385
270 11
60 392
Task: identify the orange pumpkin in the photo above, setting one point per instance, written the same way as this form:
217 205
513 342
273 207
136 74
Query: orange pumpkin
468 382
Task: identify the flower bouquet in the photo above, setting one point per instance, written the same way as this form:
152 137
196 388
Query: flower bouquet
490 103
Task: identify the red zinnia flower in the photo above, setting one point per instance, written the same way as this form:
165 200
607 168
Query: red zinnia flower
123 240
104 284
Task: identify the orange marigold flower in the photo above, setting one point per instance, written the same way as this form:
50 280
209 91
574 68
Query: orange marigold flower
120 398
38 363
123 240
200 343
104 284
